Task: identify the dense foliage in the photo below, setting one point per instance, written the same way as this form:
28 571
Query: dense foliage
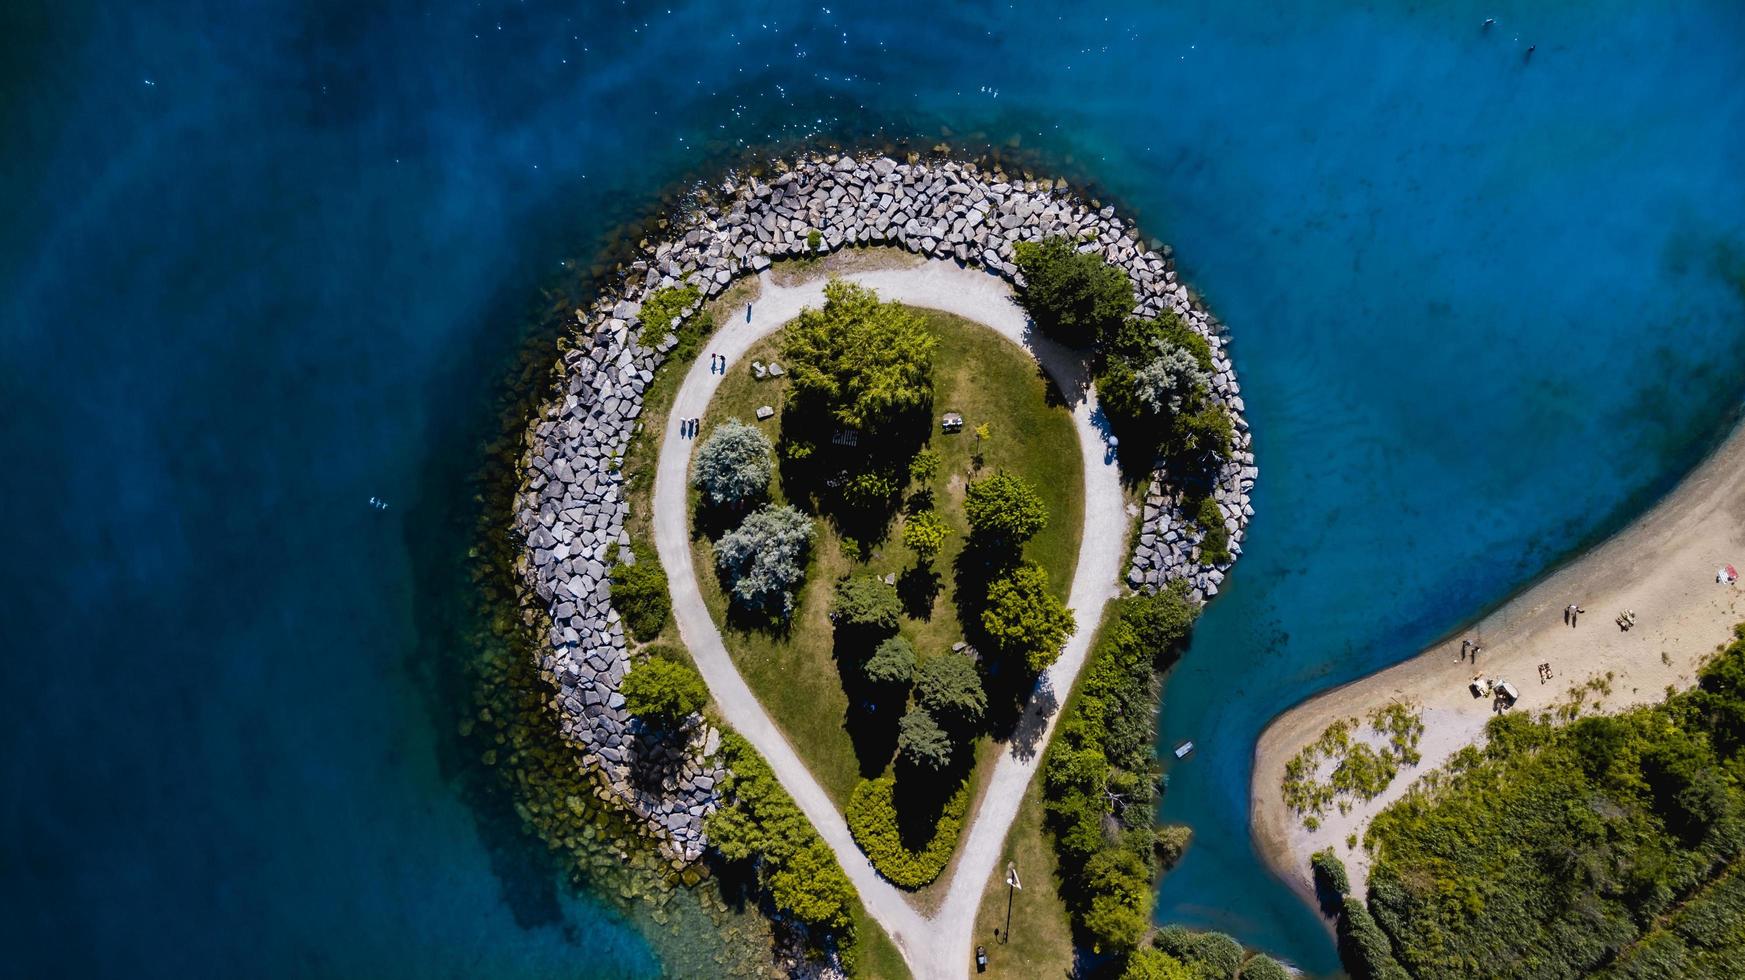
864 362
891 662
761 825
1073 296
925 533
662 689
1155 383
867 606
639 593
764 559
1024 620
874 820
1213 954
1152 964
921 742
733 465
1103 764
951 690
1554 849
1004 510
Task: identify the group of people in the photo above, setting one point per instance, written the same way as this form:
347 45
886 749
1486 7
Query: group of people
1544 672
1469 650
688 427
717 364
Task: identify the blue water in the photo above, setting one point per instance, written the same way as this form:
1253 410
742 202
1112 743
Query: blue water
261 262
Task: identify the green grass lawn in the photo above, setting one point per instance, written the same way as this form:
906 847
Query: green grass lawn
1041 941
988 380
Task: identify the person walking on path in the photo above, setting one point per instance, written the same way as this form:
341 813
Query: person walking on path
748 313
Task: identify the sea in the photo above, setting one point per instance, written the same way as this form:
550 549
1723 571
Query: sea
262 262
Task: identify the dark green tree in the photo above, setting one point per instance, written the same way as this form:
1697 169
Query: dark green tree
1073 296
921 742
1025 621
866 606
663 691
950 688
892 662
639 593
1004 510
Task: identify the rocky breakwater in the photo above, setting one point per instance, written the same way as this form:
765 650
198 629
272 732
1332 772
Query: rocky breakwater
572 506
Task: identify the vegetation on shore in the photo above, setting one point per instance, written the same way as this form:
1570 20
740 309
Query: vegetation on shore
1345 763
862 672
1608 845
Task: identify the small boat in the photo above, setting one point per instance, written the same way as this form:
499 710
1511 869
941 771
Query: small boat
1182 750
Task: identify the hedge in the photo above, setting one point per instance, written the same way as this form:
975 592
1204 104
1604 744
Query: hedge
872 819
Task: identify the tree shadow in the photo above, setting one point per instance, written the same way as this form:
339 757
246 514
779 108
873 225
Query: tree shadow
873 709
918 587
1024 735
656 753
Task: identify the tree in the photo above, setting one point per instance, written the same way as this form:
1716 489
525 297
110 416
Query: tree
1207 431
733 465
1120 907
1073 296
950 688
866 605
925 534
811 886
1163 381
924 467
1172 842
663 690
764 559
639 593
867 362
1004 509
1160 622
1152 964
1263 967
892 662
1025 620
921 742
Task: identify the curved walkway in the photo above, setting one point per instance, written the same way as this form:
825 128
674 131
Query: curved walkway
940 946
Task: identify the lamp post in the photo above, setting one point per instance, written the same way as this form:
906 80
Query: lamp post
1012 885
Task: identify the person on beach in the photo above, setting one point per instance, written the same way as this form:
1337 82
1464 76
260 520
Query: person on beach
1464 646
1475 649
748 313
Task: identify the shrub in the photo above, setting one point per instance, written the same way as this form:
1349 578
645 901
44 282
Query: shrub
1207 431
950 688
925 534
1172 843
1263 967
1331 882
1364 948
1025 621
870 488
865 362
892 662
921 742
639 593
764 559
733 465
866 605
924 466
1215 543
759 820
1005 510
1216 954
1073 296
1152 964
663 690
873 820
814 239
1119 911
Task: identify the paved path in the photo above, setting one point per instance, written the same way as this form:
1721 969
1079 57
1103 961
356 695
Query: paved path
941 946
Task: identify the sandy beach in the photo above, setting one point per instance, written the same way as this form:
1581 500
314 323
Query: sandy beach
1662 566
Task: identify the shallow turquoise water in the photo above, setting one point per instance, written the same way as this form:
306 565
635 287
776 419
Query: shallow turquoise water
1485 308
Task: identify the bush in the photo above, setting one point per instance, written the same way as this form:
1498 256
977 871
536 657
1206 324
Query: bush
1364 948
1151 964
867 606
864 362
1004 510
1119 912
639 593
892 662
733 465
1331 882
1172 843
873 820
763 560
951 689
1025 621
1263 967
924 467
1074 296
921 742
663 690
925 534
795 867
1216 954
